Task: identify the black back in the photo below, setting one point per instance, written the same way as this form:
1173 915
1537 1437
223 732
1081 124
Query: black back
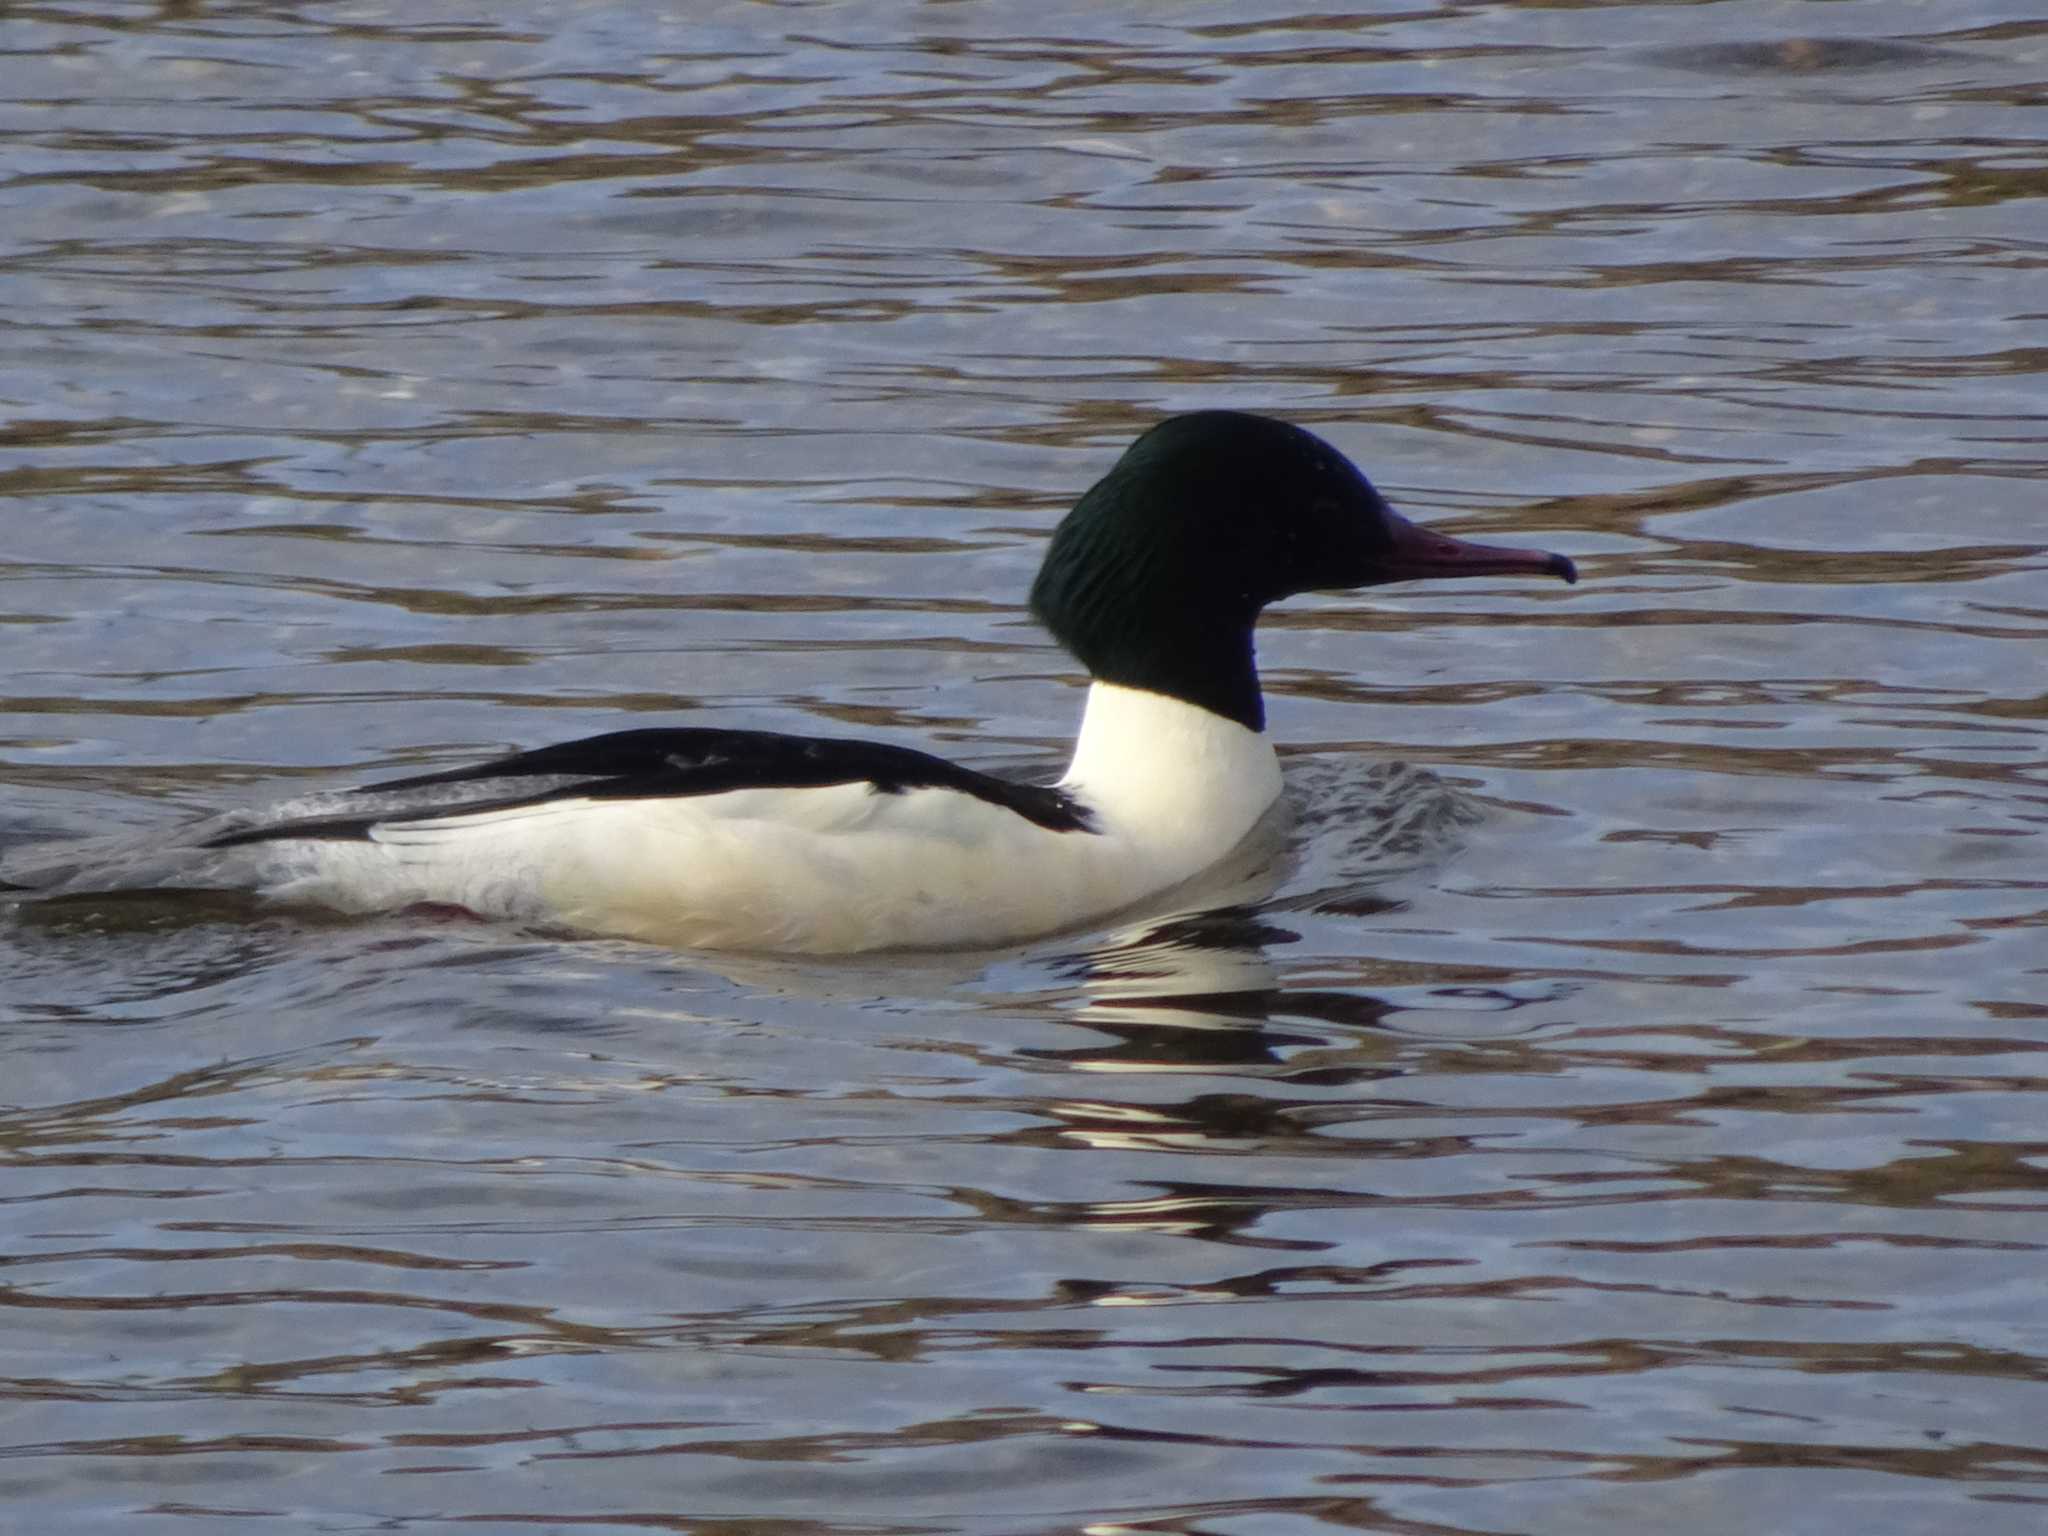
662 764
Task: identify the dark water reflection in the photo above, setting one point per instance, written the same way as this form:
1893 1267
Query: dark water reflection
1630 1118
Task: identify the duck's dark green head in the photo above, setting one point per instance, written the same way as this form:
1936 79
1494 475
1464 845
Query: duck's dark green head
1157 576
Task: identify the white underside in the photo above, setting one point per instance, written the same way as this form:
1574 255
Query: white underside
1172 789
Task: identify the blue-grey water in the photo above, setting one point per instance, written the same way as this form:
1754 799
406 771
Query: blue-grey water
1631 1116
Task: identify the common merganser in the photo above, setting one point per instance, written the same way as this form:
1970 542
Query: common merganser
753 840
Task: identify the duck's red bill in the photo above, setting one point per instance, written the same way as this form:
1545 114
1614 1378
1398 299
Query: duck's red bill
1418 554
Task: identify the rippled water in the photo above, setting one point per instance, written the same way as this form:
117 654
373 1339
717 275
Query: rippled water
1662 1148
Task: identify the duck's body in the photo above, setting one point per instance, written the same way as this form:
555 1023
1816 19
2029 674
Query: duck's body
748 840
821 847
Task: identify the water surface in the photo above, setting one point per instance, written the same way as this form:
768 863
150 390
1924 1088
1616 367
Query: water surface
1651 1139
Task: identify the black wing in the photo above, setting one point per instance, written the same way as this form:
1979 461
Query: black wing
663 764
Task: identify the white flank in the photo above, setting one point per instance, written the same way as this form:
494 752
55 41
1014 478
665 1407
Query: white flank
1172 788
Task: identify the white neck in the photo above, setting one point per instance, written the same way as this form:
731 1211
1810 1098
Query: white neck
1183 782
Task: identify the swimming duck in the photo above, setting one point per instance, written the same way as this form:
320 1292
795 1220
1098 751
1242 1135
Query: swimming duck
755 840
